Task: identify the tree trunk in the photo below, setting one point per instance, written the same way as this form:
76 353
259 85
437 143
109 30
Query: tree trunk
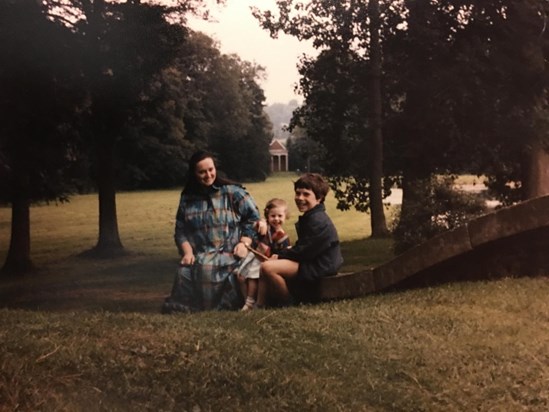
378 222
412 192
537 173
18 260
109 243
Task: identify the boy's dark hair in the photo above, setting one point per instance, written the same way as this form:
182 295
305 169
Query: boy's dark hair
271 204
314 182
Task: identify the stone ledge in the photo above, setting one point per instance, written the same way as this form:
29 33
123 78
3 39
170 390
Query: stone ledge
438 249
528 215
509 241
345 285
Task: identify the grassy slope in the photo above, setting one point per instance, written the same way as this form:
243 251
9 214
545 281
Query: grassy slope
140 280
86 335
475 346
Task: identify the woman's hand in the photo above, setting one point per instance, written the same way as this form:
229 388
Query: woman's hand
188 255
240 250
187 259
261 227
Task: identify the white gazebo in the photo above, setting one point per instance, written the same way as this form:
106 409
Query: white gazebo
279 156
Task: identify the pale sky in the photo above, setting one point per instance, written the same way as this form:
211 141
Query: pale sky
238 32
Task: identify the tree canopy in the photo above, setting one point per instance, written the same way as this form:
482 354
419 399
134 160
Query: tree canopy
464 87
40 95
467 84
342 90
124 88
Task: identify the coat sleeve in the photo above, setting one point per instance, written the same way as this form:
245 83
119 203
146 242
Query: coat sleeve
246 208
179 235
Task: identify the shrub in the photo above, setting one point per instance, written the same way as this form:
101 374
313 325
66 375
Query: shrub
437 206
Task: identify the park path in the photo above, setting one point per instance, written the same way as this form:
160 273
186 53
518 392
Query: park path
395 198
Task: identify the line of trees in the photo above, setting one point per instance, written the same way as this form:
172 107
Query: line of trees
463 87
110 94
103 95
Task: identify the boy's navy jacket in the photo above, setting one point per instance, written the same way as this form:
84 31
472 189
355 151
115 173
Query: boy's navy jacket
317 249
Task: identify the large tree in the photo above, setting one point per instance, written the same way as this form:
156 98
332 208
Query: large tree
39 97
242 132
468 86
379 225
204 99
465 86
467 92
422 85
124 46
224 109
517 49
344 84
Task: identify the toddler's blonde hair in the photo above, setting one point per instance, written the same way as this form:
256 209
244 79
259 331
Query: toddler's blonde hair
276 202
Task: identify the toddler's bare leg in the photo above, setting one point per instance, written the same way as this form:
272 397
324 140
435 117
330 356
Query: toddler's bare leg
252 287
251 294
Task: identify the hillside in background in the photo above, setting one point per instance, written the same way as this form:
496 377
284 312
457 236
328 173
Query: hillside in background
280 115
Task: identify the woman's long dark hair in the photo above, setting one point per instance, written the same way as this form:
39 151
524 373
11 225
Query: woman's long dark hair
192 185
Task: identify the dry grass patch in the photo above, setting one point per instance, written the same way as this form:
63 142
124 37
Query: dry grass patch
471 346
85 335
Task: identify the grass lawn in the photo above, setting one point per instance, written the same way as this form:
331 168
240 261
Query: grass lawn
141 279
86 335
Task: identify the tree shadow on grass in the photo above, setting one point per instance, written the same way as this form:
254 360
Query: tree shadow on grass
133 283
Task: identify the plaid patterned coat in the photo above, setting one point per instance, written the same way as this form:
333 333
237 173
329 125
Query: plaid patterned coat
213 224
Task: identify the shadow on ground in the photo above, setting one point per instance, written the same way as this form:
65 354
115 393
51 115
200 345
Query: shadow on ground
512 241
132 283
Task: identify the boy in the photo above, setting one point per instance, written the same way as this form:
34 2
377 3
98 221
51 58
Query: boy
317 252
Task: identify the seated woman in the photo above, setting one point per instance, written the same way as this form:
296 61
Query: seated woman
214 225
316 253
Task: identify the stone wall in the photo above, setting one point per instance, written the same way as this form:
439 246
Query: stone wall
512 241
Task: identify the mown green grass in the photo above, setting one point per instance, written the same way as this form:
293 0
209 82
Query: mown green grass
86 335
139 280
473 346
146 221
